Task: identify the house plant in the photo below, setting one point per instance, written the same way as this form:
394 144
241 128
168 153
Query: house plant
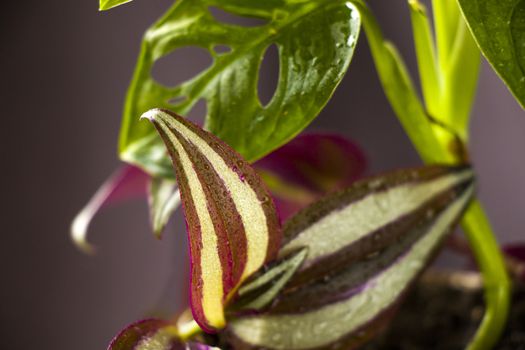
312 63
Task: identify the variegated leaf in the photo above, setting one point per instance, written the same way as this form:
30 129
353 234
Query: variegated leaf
366 246
262 289
152 334
232 224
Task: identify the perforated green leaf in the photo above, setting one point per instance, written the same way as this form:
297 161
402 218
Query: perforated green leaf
312 63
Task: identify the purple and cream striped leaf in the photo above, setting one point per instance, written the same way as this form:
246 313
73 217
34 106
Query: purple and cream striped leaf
153 334
366 245
262 288
233 227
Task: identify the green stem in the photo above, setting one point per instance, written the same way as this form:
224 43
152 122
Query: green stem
495 279
406 104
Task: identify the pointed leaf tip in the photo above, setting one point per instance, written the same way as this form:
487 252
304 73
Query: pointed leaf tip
105 5
233 227
366 245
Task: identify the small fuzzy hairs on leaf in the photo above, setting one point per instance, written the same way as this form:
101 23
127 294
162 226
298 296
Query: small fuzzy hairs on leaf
366 245
109 4
233 228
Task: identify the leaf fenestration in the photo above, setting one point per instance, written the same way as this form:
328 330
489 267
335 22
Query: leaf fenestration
312 63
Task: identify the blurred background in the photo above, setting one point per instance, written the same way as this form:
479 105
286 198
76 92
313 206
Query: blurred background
64 72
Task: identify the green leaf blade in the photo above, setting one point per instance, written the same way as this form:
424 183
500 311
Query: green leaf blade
109 4
311 67
426 56
499 30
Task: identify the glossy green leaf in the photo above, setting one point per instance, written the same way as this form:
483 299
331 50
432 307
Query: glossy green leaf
109 4
163 200
312 63
499 29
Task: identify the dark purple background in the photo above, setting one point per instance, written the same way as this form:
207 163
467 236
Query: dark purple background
64 71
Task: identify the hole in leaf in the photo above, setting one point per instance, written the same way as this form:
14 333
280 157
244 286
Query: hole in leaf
230 18
181 65
221 49
177 100
268 75
198 112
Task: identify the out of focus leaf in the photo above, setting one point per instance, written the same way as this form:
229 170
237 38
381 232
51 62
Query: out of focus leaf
499 30
109 4
312 64
308 167
516 259
152 334
400 91
126 183
365 247
164 199
232 224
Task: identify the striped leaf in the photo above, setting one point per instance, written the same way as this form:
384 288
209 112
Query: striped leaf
232 224
366 245
152 334
262 289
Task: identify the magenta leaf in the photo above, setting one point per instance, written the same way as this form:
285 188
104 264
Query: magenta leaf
128 182
515 254
308 167
153 334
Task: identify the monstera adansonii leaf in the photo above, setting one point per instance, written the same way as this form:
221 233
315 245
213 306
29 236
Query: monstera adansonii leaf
342 264
315 41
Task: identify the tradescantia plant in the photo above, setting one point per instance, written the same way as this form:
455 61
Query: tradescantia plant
333 275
